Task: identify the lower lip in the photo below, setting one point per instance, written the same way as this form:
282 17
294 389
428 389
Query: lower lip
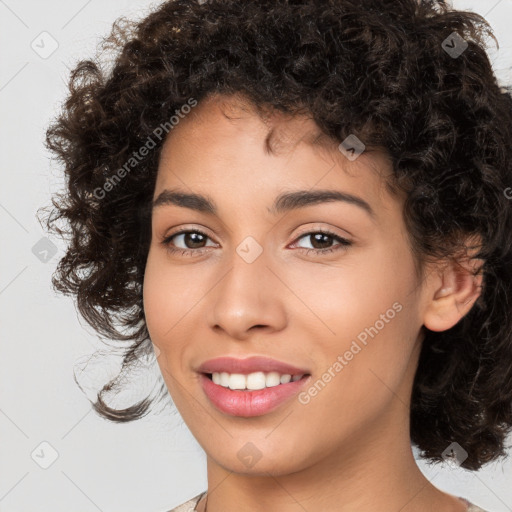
237 402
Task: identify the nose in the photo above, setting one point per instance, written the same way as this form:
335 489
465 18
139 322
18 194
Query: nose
247 299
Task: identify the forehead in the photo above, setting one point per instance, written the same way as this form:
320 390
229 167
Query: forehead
227 141
278 130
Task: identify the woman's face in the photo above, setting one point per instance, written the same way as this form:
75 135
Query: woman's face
343 308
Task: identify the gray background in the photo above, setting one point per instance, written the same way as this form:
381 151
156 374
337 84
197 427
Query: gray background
155 463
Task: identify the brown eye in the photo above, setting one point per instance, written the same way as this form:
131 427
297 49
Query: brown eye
321 242
321 239
193 240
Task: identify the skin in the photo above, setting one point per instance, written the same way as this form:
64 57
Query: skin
348 448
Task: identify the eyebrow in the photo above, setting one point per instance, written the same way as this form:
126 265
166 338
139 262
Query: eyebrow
283 203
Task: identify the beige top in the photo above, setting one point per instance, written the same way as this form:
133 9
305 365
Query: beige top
190 505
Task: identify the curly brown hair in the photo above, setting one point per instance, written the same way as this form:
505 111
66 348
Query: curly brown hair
379 69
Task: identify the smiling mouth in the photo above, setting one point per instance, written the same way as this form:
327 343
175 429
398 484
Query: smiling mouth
254 381
232 395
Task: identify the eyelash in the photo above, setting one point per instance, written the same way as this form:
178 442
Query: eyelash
344 243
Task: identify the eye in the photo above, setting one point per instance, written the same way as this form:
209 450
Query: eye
190 237
196 239
322 237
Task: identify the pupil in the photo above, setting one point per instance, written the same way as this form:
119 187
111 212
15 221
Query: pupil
193 236
321 238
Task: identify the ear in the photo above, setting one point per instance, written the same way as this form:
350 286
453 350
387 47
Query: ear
455 289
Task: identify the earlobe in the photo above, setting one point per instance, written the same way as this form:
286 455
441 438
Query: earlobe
460 287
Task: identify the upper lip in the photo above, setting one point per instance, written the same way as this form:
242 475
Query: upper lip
249 365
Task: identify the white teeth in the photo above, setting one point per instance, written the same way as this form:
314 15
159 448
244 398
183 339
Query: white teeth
285 378
237 381
252 381
272 379
224 379
256 380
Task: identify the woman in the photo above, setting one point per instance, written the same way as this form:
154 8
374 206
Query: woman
302 208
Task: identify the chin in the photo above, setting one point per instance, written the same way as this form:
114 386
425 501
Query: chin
261 458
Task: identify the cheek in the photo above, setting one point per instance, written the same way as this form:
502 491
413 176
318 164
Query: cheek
172 297
159 305
352 295
155 298
161 309
169 292
370 309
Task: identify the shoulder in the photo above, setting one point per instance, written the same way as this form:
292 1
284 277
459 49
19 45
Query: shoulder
472 507
188 506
